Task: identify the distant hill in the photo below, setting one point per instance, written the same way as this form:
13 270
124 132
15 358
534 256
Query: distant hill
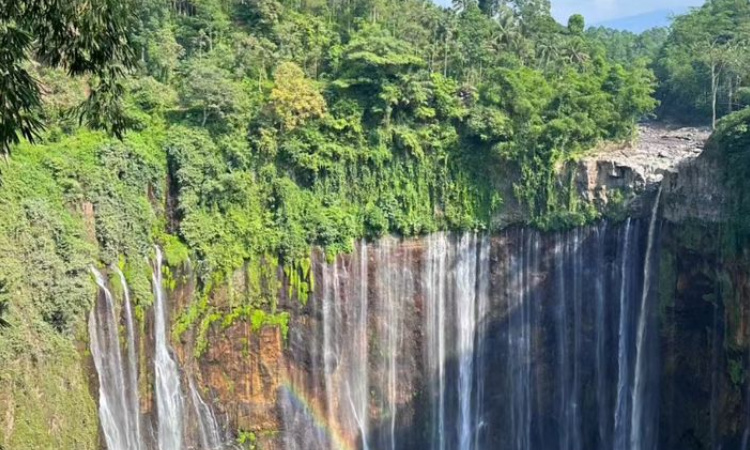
643 22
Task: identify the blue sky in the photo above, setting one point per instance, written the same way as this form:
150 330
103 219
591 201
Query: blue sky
607 10
596 11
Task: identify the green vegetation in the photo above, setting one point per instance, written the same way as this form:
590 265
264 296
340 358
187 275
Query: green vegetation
322 123
279 125
627 48
704 63
730 144
258 129
85 38
247 439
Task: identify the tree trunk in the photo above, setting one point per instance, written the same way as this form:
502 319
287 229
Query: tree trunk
730 97
445 58
714 88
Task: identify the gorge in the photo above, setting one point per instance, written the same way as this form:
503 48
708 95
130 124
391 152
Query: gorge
518 340
372 225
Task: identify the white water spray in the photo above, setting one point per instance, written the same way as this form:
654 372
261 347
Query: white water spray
169 402
637 426
115 411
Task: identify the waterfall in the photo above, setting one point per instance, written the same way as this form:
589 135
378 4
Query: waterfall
527 341
622 432
358 394
395 282
119 420
602 395
434 287
169 400
133 398
119 403
638 427
578 275
561 252
483 304
208 428
466 288
519 345
330 343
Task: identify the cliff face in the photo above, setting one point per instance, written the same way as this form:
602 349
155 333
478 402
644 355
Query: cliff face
451 342
704 300
524 340
559 333
615 178
631 333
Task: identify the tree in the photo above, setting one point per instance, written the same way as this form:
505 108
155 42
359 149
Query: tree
295 98
717 57
703 63
84 37
208 91
576 24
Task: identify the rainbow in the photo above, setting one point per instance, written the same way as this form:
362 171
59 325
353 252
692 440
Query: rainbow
316 416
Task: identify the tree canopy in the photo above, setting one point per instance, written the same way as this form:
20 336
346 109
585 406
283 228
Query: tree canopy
286 123
703 65
84 38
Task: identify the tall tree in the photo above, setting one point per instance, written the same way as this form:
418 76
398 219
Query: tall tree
86 37
717 57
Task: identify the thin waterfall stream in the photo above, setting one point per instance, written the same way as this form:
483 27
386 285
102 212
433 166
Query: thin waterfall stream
169 397
639 428
118 419
132 366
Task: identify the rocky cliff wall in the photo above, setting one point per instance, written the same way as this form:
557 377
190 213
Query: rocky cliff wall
325 381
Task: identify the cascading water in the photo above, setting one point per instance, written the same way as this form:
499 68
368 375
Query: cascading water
561 252
602 396
119 420
641 428
466 292
133 398
357 391
119 402
519 345
482 300
397 285
169 399
524 341
340 361
434 283
622 408
208 429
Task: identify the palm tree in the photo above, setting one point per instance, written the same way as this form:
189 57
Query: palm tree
576 52
547 52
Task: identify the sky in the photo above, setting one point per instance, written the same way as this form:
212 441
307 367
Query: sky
596 11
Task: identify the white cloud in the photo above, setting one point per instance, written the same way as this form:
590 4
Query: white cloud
601 10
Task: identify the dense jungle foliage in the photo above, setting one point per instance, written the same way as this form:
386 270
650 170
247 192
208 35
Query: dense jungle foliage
287 124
